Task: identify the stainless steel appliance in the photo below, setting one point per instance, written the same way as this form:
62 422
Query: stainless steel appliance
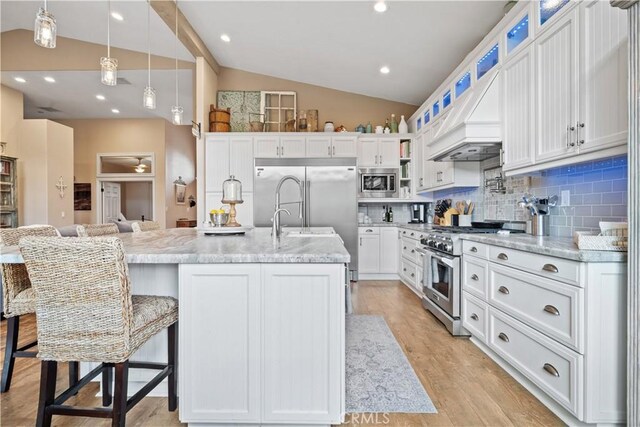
378 182
442 288
418 213
330 189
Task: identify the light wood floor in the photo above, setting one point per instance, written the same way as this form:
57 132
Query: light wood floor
467 388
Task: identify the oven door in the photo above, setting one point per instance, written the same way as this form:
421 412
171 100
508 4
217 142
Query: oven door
442 282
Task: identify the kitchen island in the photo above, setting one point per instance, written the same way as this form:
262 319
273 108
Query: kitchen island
261 330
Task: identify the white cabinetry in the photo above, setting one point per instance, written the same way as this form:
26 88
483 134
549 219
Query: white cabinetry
379 152
332 146
411 260
240 359
377 251
388 250
292 146
558 325
268 146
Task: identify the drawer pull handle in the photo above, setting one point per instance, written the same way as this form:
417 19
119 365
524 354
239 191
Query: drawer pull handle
413 275
413 251
550 268
474 316
404 269
475 277
473 249
503 290
369 230
551 370
405 248
551 310
404 232
503 337
412 234
503 256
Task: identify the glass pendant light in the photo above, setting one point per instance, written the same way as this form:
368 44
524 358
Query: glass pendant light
176 110
149 95
109 65
44 33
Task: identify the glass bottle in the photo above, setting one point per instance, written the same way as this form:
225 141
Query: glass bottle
369 128
387 128
394 124
232 190
390 215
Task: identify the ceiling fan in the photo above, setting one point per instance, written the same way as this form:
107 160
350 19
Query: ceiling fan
140 167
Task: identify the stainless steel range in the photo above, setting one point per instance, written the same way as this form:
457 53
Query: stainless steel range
442 287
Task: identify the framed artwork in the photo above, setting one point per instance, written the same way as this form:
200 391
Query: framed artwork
82 197
181 189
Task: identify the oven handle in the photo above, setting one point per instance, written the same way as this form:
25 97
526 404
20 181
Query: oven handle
446 261
422 251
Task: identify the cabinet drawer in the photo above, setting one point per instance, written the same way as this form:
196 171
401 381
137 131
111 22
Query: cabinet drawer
369 230
476 249
408 249
551 366
554 268
554 308
412 234
474 316
474 276
408 272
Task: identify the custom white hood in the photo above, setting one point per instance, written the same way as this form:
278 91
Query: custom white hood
471 130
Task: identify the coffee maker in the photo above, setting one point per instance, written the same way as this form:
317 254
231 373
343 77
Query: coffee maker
418 213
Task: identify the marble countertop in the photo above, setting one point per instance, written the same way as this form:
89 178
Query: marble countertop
560 247
405 225
191 246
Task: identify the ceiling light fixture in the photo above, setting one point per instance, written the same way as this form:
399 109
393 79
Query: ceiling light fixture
149 94
109 65
115 111
140 167
117 16
45 29
385 70
100 97
380 7
19 79
49 79
176 110
225 38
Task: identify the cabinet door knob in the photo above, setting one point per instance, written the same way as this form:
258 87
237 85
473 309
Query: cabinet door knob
413 275
473 249
405 248
404 269
550 268
328 151
551 370
503 256
412 234
334 150
474 316
503 337
475 277
413 251
551 310
503 290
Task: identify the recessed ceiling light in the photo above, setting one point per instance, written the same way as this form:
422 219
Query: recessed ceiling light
115 111
117 16
100 97
380 7
225 38
385 70
50 79
19 79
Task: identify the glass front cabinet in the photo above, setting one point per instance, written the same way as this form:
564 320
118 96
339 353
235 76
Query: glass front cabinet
8 193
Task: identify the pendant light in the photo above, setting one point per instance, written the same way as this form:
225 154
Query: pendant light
44 33
149 96
109 65
176 110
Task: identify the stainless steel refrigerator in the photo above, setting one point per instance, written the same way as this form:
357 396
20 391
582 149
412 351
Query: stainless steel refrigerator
330 196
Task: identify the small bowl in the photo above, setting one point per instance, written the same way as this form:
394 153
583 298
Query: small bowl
219 220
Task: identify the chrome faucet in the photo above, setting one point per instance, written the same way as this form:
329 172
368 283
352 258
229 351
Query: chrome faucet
275 227
300 203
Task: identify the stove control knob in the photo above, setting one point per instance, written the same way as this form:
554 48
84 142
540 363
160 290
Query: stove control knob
448 247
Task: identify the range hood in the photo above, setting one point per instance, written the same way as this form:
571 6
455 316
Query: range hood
471 130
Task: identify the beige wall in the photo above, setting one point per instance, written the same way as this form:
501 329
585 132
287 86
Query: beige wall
343 108
136 200
11 114
45 154
180 161
93 136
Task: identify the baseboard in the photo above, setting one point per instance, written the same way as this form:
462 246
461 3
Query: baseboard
378 276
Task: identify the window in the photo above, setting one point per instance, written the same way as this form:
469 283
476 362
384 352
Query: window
436 108
548 8
487 62
419 123
463 84
446 99
518 34
427 117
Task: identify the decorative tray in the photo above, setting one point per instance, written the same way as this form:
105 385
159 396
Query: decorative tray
225 231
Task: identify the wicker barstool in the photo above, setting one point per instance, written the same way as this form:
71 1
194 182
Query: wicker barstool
95 230
139 226
19 299
85 312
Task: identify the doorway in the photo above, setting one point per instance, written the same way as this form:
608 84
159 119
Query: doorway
126 200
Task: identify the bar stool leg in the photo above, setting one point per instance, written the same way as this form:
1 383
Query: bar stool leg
171 361
120 394
48 373
107 388
74 373
13 324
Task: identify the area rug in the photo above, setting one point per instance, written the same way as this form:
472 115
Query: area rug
379 376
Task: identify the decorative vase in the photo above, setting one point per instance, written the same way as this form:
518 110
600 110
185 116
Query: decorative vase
403 127
328 127
369 128
394 124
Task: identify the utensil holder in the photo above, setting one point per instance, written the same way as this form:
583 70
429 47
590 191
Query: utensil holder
464 220
540 225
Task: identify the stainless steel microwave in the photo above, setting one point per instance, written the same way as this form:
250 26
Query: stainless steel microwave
378 182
